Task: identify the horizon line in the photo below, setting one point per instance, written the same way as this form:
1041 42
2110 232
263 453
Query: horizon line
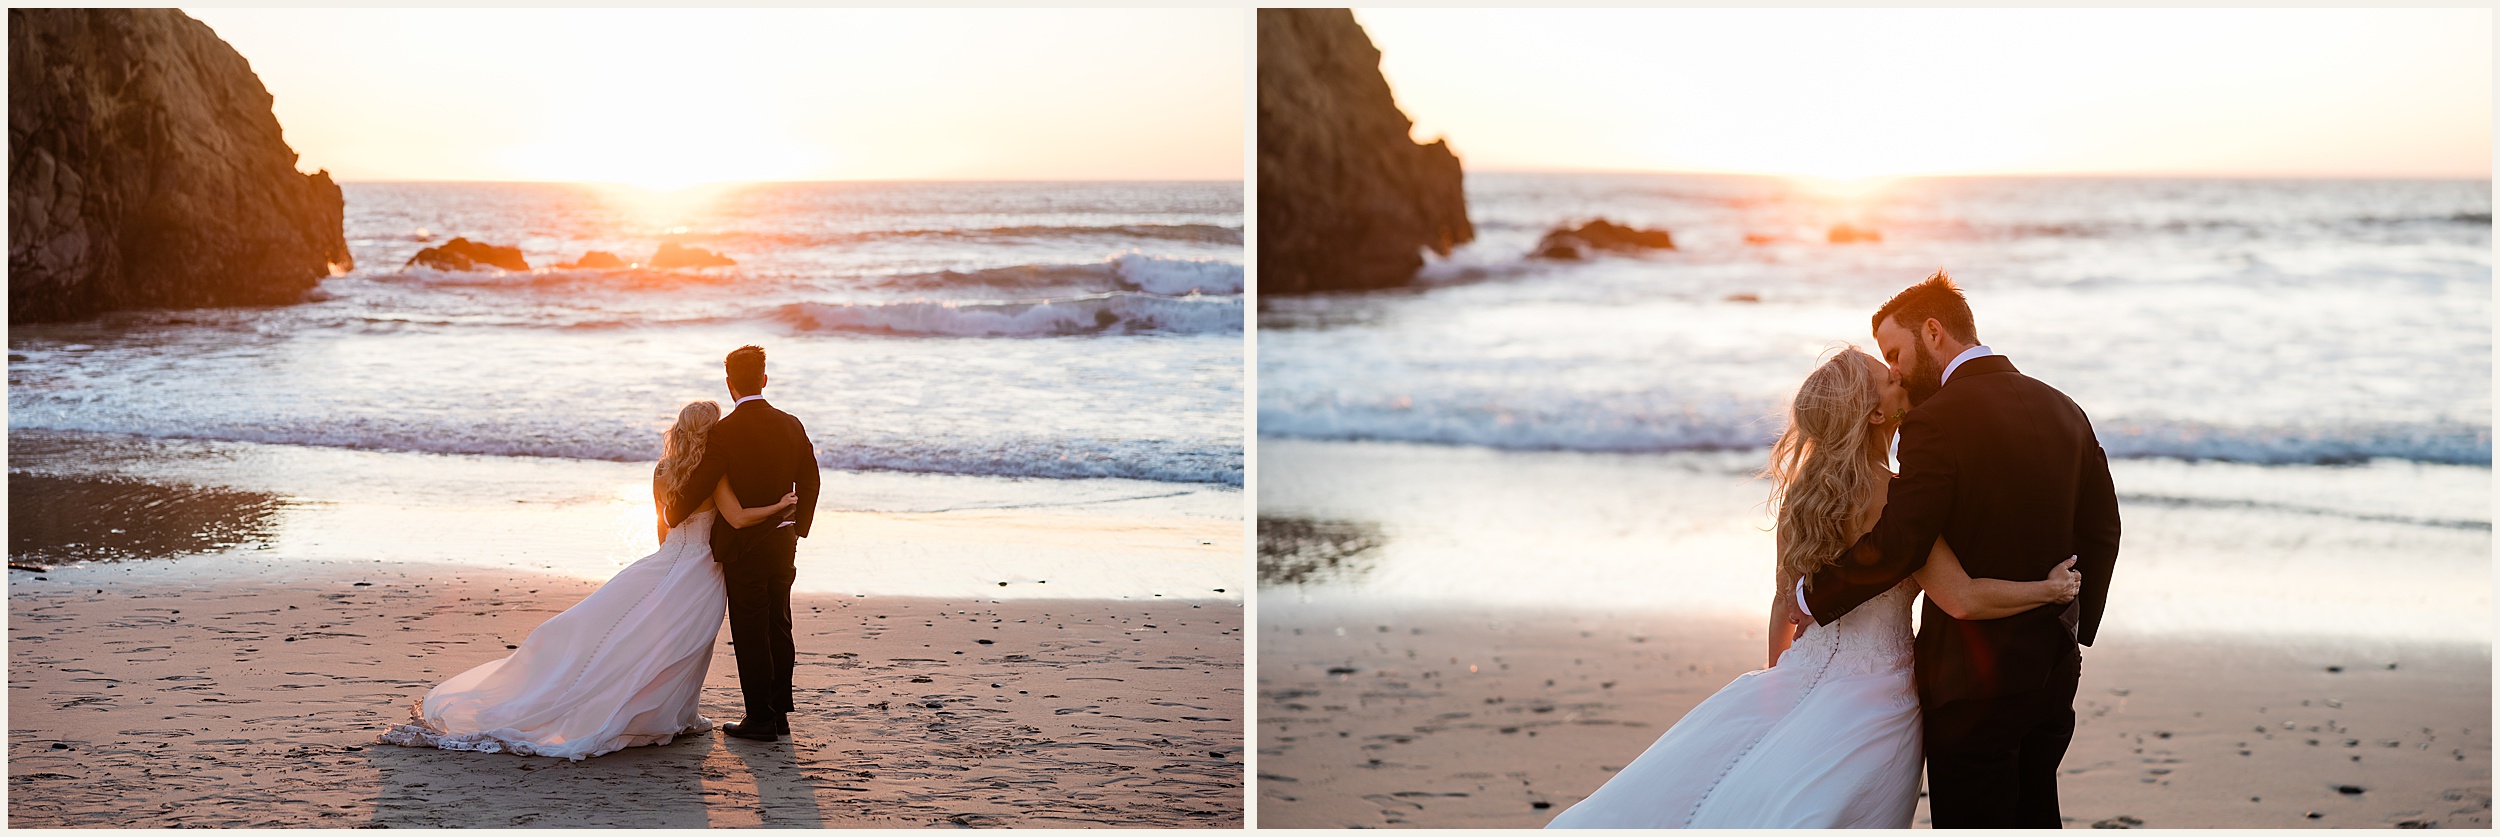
2486 176
337 179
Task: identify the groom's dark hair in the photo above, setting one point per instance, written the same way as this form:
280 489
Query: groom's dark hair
746 368
1935 299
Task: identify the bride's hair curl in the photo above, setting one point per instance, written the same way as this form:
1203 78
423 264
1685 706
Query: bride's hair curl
1828 461
681 448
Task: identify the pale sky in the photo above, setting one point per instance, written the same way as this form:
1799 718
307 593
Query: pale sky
1870 92
672 97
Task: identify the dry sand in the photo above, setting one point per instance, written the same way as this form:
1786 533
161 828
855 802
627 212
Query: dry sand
252 699
1381 716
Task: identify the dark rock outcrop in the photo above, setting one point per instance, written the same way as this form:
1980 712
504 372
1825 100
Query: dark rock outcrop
1347 200
595 259
146 170
1601 234
463 254
678 255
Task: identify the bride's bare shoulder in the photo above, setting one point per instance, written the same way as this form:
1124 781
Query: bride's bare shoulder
1873 510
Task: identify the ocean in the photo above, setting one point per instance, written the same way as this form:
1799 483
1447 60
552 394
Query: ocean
1012 345
1014 329
2269 321
2293 378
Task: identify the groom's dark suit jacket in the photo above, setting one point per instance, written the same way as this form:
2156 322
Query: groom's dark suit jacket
2007 471
763 451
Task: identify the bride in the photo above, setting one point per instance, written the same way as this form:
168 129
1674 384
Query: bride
622 668
1828 736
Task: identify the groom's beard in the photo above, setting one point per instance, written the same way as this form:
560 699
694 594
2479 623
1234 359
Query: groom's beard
1926 376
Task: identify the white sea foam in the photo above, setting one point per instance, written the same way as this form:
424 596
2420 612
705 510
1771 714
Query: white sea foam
2445 442
1111 313
1032 456
1558 426
1202 233
1175 277
1130 271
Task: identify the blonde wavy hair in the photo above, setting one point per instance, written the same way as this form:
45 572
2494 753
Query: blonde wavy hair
1829 461
681 447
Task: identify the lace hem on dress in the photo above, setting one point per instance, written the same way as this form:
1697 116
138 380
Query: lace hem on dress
421 733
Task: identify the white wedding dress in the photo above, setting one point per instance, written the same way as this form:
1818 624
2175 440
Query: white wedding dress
622 668
1829 738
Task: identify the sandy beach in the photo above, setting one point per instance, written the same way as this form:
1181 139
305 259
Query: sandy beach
972 651
253 701
1459 637
1437 718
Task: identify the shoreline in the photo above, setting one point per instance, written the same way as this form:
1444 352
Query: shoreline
84 496
254 700
2389 550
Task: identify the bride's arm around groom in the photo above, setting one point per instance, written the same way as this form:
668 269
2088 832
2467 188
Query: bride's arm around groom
1921 499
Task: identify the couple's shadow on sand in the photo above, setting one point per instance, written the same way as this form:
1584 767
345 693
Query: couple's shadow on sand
698 781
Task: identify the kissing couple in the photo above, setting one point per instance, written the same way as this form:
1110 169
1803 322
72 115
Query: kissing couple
2002 513
625 666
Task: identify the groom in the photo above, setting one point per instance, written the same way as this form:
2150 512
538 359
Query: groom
765 454
2007 471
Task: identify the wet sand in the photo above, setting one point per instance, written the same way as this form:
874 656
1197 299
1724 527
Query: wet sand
91 496
248 693
1374 714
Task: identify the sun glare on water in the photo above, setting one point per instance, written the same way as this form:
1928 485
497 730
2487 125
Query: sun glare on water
1843 189
666 210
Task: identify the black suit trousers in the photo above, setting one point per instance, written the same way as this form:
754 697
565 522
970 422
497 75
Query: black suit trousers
1992 762
759 579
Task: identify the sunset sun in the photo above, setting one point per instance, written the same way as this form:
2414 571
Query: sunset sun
663 156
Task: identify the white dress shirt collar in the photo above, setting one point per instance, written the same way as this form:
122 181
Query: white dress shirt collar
733 406
1958 360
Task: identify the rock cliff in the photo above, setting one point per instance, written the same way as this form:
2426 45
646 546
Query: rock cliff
147 170
1347 200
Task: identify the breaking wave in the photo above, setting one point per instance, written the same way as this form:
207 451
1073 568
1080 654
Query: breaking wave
1118 312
